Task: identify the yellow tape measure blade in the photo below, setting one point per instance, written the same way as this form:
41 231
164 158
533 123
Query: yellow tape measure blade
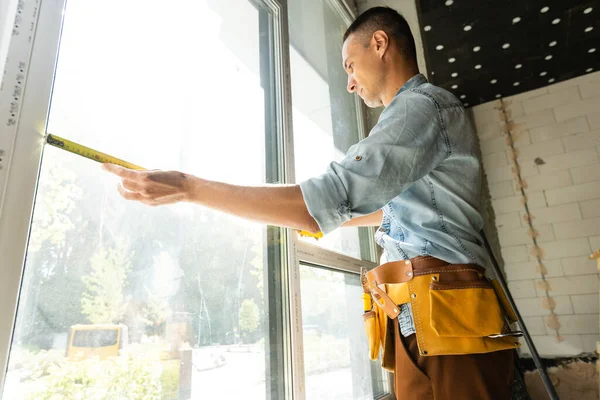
89 153
317 235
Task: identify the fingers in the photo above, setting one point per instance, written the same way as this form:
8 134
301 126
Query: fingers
131 195
124 173
148 190
134 186
166 178
162 199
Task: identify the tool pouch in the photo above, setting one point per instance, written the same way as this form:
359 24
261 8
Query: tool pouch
455 309
373 334
379 332
464 309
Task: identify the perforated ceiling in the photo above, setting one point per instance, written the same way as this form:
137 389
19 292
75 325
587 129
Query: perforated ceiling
482 50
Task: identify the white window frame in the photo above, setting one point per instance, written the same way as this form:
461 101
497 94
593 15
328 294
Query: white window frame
34 50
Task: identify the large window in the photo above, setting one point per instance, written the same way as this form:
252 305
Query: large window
172 85
118 300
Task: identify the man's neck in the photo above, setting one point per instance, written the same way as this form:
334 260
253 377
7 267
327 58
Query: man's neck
395 82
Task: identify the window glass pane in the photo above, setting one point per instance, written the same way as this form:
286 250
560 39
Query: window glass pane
336 356
121 300
324 113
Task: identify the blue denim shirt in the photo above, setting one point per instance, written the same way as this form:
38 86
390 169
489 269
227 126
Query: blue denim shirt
421 165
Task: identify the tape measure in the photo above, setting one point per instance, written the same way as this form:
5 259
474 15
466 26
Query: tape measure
87 152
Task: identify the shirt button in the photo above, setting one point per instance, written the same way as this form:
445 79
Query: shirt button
358 158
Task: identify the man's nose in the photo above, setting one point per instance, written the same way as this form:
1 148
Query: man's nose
351 85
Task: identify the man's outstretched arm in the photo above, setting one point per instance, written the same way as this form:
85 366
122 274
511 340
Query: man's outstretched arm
279 205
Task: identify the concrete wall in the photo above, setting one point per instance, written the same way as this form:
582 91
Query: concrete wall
555 157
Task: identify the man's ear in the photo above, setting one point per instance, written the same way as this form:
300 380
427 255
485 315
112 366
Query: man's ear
382 42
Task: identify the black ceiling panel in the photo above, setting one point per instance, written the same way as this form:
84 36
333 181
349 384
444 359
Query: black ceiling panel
481 49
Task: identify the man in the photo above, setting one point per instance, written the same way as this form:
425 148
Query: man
417 176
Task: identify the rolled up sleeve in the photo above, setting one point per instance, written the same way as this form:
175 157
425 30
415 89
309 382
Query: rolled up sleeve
406 144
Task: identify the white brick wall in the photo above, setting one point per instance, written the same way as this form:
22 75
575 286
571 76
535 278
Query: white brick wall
551 100
558 130
542 149
578 324
505 173
512 237
595 243
549 180
579 266
535 325
519 271
564 248
557 142
508 220
515 254
531 307
522 289
586 191
581 284
569 160
515 203
594 121
585 174
502 189
551 215
585 304
572 344
590 89
581 141
576 109
575 229
590 208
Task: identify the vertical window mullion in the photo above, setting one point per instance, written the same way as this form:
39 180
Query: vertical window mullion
282 263
275 271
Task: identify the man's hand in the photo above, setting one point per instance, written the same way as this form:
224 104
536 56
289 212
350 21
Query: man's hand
153 188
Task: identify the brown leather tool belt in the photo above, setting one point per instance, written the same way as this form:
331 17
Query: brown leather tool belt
404 271
456 309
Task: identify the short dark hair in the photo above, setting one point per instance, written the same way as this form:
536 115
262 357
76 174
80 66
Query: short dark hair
392 23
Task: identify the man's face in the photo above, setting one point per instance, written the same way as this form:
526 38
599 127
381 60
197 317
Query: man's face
364 67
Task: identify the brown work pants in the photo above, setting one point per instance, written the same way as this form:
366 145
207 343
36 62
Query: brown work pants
466 377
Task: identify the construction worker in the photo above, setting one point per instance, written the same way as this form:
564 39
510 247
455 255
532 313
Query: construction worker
417 176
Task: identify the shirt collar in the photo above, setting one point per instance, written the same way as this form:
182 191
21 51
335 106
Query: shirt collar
413 82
